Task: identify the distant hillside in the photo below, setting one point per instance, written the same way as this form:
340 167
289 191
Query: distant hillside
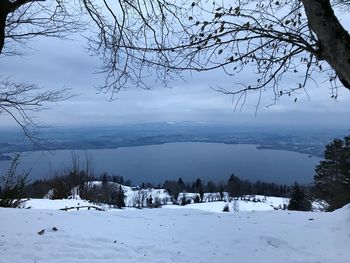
309 141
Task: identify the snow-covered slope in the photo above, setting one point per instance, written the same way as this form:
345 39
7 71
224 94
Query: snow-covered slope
260 203
55 204
174 235
134 195
217 207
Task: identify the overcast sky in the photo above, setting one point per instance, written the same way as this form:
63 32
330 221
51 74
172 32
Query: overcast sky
55 64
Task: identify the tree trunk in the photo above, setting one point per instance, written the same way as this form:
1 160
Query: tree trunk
334 40
5 8
2 29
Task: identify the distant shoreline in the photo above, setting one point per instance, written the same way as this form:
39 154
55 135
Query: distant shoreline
6 157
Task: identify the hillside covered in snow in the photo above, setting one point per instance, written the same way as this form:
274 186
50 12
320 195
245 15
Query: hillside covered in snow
192 233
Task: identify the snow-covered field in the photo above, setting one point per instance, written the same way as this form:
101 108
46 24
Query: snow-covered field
265 203
172 235
217 207
55 204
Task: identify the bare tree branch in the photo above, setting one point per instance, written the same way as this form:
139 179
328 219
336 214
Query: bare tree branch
23 20
21 101
20 21
141 42
274 40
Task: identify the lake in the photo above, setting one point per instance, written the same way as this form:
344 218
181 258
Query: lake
156 163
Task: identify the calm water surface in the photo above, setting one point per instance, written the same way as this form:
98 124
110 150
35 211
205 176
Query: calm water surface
155 163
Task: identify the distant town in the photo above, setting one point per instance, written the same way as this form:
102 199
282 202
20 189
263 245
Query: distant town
307 141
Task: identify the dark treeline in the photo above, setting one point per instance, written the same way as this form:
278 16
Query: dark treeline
61 186
80 181
235 187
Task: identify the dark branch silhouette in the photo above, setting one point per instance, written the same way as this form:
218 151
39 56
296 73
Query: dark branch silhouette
274 40
23 20
21 101
140 41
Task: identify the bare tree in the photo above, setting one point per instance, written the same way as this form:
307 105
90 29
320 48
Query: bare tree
299 39
22 20
143 40
21 101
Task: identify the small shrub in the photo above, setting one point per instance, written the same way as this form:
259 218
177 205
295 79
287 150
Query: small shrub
226 208
196 199
12 185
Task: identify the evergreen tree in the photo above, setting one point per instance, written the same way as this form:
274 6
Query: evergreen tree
104 179
128 182
199 188
299 200
332 179
120 197
12 185
221 191
150 201
196 199
183 200
181 184
105 191
234 186
173 188
211 187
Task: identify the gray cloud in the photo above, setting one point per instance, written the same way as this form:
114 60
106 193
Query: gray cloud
57 63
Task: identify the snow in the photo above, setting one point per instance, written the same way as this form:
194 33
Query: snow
261 203
276 202
136 197
55 204
172 235
133 194
217 207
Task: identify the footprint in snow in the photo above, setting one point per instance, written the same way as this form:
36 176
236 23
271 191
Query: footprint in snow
274 242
